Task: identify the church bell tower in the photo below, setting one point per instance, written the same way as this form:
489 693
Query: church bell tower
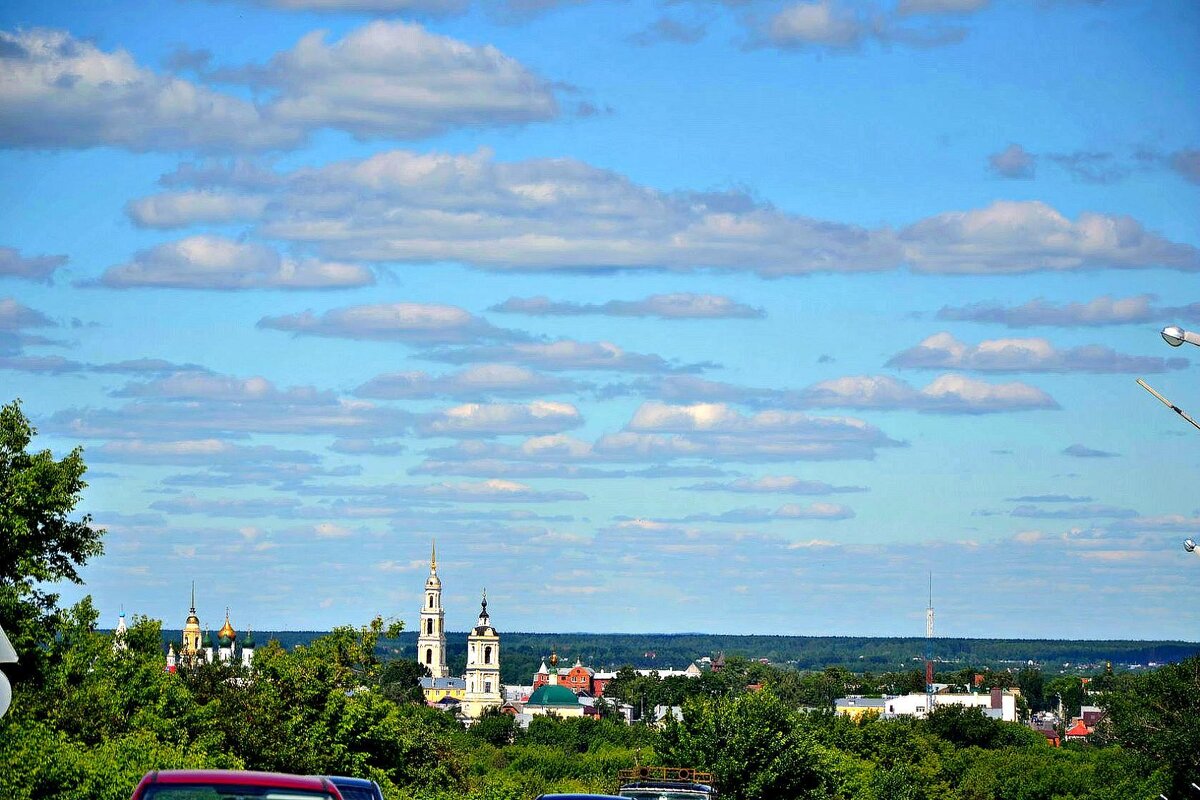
431 640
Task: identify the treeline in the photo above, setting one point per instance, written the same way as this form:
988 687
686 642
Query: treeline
523 652
94 717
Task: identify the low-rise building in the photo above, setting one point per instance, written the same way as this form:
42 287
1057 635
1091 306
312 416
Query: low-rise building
855 707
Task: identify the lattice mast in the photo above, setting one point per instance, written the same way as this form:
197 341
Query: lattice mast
929 650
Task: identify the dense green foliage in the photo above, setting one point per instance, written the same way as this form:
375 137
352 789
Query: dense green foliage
39 544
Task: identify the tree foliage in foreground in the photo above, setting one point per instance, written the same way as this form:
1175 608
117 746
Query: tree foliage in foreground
39 543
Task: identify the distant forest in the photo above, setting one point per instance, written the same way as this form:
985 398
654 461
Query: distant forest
521 653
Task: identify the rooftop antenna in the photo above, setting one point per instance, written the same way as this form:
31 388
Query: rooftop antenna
929 650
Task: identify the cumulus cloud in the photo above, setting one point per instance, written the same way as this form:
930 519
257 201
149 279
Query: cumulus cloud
1011 237
489 491
790 511
563 214
191 409
831 25
660 431
411 323
669 29
201 452
395 79
1086 511
1187 164
1013 162
210 386
563 354
14 316
214 262
386 79
431 7
940 6
948 394
1048 498
63 92
943 351
681 305
499 419
1083 451
1104 310
367 447
226 506
774 484
482 380
31 268
181 209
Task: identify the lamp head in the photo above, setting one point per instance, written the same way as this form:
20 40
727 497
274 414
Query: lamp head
1189 545
1174 335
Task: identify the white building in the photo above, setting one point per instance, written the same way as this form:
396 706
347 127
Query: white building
431 641
483 667
997 704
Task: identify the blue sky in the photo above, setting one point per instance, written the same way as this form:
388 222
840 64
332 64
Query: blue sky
660 315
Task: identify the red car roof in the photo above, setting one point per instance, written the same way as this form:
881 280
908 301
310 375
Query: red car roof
222 777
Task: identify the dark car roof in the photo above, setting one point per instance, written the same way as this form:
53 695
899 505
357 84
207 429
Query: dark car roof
223 777
340 780
580 797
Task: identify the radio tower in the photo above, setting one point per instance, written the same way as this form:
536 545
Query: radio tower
929 650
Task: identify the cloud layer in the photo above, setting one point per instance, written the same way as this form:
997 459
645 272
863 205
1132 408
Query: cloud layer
943 351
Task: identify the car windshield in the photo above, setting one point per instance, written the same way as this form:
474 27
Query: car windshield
358 793
184 791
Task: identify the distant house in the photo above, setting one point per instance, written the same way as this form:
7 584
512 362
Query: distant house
1078 732
855 707
1091 715
438 689
997 704
1051 735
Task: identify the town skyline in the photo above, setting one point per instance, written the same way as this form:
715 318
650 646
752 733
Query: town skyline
659 316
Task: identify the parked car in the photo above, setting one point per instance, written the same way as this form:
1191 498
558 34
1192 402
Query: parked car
219 784
356 788
578 797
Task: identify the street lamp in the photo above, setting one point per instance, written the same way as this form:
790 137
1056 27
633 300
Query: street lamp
1189 545
1175 336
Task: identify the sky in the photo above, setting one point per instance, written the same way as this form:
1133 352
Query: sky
730 316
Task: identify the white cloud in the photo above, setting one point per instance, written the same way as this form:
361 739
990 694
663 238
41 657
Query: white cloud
679 305
563 214
948 394
774 484
482 380
181 209
61 92
564 354
394 79
1013 162
15 316
203 452
1011 237
820 22
413 323
943 351
210 386
31 268
790 511
213 262
1104 310
500 419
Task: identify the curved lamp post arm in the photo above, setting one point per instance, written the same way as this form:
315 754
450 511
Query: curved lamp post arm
1175 336
1168 403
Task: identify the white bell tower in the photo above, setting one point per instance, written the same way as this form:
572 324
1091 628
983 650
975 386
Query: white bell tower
431 639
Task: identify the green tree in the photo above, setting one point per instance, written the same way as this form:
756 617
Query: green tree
39 544
1158 716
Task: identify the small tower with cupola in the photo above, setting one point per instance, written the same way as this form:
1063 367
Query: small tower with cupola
483 666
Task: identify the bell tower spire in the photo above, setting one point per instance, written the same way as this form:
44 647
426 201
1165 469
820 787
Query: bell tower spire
431 638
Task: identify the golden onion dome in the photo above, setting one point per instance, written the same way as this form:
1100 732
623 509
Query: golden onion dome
227 630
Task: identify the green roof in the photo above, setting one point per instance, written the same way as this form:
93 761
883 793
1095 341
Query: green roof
552 696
